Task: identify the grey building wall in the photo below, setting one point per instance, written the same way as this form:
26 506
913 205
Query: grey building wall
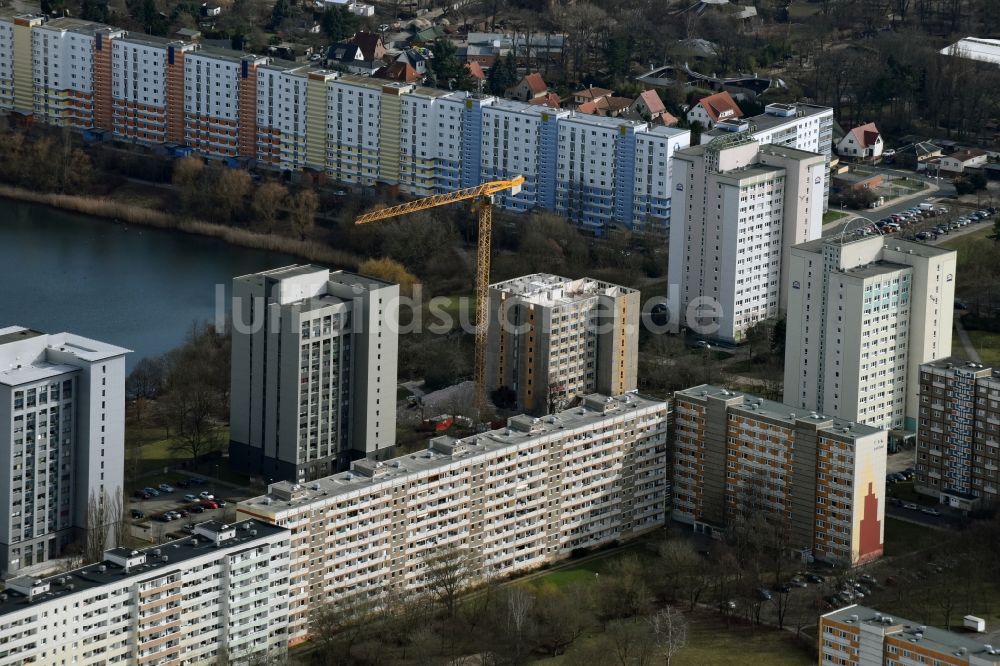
313 372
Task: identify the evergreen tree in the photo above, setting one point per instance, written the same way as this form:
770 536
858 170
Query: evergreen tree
278 14
338 24
449 71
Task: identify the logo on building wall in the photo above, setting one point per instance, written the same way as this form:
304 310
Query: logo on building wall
680 187
818 180
468 103
949 278
796 285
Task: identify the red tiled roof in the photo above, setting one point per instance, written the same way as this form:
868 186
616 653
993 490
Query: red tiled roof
666 118
535 83
593 93
865 135
720 106
550 100
398 71
475 71
967 154
652 102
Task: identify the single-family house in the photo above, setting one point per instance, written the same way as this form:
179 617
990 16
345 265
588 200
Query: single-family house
351 58
550 100
528 88
915 155
210 10
966 158
649 107
609 106
864 142
370 43
399 71
710 110
416 59
590 94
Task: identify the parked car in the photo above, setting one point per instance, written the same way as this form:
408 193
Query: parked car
181 483
815 578
190 498
911 505
138 514
209 504
142 494
763 594
183 513
166 487
151 491
798 582
221 503
784 588
930 512
206 495
868 579
196 508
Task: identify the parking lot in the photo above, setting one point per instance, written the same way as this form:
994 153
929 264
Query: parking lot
170 512
927 221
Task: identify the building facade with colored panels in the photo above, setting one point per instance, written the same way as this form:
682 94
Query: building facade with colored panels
825 478
600 172
512 499
861 636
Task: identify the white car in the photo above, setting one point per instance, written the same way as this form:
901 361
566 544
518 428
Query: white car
206 495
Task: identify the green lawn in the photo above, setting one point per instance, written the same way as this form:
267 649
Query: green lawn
590 570
902 537
986 343
832 216
962 243
912 185
711 643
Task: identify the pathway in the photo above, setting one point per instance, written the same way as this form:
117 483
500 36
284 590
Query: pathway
963 337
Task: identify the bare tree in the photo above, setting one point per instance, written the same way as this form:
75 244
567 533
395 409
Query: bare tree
97 526
449 571
670 631
118 517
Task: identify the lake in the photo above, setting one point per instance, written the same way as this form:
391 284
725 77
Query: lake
138 287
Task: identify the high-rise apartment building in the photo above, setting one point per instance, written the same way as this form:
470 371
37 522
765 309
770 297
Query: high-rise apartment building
62 421
599 172
738 208
220 594
802 126
863 315
861 636
512 499
313 371
552 340
821 478
958 433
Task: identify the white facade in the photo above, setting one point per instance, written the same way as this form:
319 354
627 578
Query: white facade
313 372
211 101
62 419
863 315
220 593
62 62
739 207
281 116
513 498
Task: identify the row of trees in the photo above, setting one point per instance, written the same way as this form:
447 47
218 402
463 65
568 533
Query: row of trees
46 161
230 196
504 623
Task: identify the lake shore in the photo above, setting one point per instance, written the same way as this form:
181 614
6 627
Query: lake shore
108 208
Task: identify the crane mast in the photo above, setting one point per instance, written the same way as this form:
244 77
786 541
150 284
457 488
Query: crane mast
482 196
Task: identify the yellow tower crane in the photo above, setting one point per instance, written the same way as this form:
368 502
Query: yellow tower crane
482 195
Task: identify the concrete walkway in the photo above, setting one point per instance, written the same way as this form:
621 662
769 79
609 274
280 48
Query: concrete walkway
963 337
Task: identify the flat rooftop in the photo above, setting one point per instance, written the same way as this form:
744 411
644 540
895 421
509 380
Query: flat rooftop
443 451
550 290
166 556
889 244
77 25
930 638
752 404
24 354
